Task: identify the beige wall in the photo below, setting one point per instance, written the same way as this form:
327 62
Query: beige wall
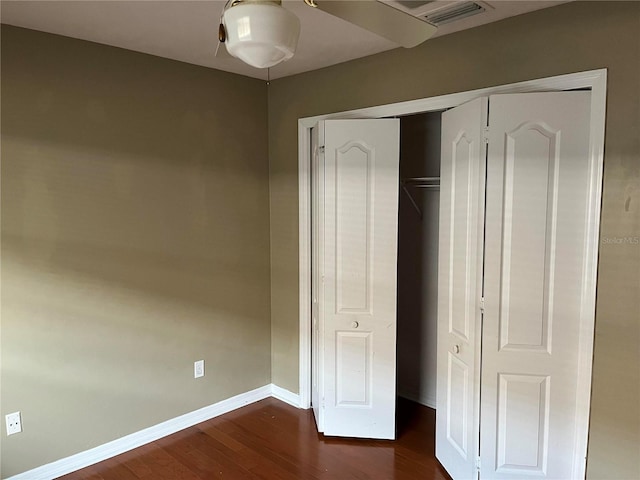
569 38
135 240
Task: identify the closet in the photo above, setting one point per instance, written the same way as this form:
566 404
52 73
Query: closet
418 213
513 248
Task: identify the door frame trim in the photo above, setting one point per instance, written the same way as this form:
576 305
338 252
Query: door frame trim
596 81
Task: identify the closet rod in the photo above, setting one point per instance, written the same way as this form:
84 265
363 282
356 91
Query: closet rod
419 182
422 182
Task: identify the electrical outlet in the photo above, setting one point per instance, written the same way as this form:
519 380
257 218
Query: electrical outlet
198 369
14 423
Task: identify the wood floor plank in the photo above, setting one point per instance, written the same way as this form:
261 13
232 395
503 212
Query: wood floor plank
255 460
210 458
283 438
270 440
266 447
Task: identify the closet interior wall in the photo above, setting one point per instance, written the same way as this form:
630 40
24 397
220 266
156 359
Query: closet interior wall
418 259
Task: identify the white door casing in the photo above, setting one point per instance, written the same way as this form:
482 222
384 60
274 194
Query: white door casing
317 226
461 229
359 244
538 188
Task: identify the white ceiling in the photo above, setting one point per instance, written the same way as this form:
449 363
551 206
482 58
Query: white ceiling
187 30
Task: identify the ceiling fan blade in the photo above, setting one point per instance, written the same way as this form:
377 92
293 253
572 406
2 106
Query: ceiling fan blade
379 18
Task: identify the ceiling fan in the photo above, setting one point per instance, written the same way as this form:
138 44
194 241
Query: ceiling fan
262 33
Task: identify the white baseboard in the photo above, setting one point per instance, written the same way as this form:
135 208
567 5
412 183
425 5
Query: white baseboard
142 437
285 395
426 400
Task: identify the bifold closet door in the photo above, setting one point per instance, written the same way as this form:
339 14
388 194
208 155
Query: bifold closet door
462 174
357 312
535 250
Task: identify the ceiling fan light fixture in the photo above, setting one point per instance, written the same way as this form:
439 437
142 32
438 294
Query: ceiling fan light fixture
261 34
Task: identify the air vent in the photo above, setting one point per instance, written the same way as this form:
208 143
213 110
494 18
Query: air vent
454 13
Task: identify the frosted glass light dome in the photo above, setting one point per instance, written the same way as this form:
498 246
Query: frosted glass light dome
261 34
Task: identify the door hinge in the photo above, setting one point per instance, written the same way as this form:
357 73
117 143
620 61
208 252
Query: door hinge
485 135
478 464
482 304
321 149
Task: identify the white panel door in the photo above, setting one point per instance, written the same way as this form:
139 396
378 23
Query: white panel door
462 175
359 267
537 190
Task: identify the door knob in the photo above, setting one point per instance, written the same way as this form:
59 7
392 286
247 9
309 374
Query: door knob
456 349
355 324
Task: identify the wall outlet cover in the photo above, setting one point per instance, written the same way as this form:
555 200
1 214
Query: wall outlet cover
14 423
198 369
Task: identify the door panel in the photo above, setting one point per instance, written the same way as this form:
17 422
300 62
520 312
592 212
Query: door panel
529 211
523 403
353 228
353 367
460 287
457 407
361 163
537 190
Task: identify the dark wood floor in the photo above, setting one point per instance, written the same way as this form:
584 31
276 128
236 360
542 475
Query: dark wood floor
272 440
